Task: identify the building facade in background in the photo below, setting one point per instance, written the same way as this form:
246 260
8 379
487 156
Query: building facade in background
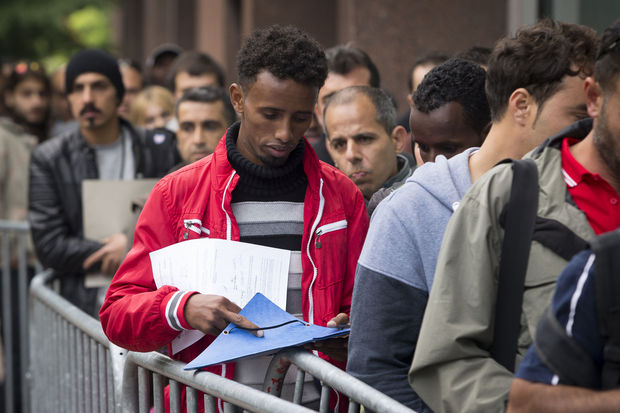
393 32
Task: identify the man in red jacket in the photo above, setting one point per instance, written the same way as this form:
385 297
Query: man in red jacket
263 185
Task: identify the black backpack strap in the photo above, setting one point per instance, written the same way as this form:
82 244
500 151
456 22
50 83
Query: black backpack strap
607 284
520 217
558 238
563 355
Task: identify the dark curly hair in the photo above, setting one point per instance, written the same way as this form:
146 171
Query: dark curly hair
456 80
537 59
286 52
607 67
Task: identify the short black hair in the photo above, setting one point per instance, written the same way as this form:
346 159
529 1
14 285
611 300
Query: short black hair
607 66
345 58
537 58
381 101
195 64
476 54
284 51
429 59
456 80
208 94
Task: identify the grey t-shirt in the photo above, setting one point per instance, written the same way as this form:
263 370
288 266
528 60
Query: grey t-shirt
115 160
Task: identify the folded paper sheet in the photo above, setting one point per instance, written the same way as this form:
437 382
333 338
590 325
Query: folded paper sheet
235 343
235 270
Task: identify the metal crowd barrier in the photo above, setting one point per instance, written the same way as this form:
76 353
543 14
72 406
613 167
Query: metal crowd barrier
75 368
14 237
70 356
146 373
357 392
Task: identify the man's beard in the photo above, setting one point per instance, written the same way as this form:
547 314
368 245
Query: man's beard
607 145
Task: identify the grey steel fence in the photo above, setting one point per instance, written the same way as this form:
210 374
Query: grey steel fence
348 387
76 368
147 373
14 236
70 356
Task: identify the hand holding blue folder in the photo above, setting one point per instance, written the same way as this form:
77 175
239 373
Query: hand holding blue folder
281 330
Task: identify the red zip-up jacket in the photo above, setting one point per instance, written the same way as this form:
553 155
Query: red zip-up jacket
195 202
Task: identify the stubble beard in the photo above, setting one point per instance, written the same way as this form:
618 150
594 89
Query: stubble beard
607 145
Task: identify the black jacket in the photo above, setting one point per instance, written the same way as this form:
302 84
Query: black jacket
57 168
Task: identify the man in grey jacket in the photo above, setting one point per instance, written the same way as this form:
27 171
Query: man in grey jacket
453 369
401 249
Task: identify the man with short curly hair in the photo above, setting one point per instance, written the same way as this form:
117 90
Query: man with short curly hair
450 112
262 185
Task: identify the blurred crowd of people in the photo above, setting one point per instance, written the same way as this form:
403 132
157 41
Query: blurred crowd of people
434 180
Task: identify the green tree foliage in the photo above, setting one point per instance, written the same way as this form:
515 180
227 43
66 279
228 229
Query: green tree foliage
52 30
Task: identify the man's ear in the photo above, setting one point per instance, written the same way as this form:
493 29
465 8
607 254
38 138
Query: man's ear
594 97
399 137
318 114
236 97
522 107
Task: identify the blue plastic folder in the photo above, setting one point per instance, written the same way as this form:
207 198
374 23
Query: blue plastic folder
235 343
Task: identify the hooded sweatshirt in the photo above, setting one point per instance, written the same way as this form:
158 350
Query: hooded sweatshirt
395 273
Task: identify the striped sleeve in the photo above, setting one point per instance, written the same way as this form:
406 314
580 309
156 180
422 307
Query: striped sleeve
174 310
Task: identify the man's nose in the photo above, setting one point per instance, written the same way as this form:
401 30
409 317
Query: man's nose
87 94
352 153
39 99
283 132
199 136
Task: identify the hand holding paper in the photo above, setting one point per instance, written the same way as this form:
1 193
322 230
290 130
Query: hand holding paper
336 348
235 343
231 269
212 313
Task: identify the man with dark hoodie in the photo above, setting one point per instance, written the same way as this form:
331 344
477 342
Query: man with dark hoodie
534 88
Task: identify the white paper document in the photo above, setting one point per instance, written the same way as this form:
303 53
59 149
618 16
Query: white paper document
235 270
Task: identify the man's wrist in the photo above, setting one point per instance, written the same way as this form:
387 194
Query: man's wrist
174 310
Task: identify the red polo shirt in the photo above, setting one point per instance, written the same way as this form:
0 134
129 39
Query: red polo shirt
592 194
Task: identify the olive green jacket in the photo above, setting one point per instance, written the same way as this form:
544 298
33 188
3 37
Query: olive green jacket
452 368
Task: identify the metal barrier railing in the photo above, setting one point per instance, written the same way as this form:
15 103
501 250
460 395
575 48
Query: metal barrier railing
14 237
144 381
70 356
357 392
75 371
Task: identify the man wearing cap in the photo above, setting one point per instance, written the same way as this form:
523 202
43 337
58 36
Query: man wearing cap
101 146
